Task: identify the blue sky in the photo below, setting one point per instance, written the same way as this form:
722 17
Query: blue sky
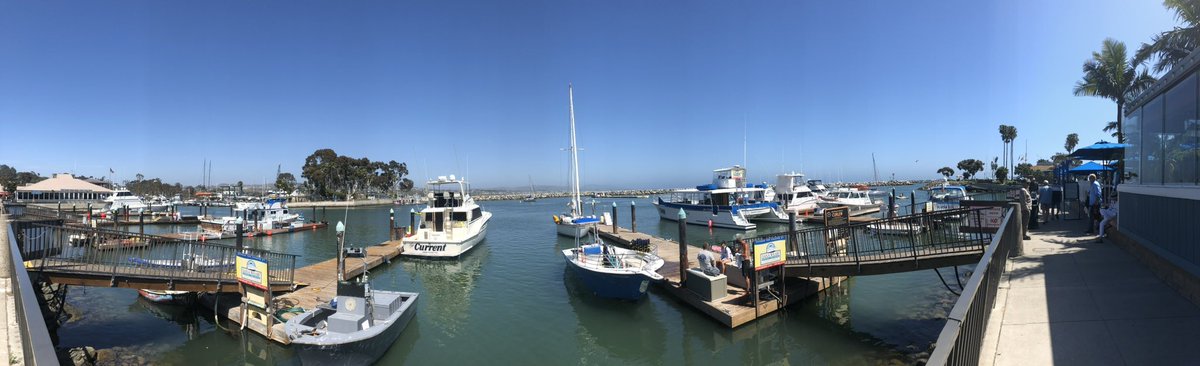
661 88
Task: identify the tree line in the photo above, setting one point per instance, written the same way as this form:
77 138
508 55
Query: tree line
328 175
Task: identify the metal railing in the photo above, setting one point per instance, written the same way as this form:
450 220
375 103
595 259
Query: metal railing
962 337
909 237
103 252
36 344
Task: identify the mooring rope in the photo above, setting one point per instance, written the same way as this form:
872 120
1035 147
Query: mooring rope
939 273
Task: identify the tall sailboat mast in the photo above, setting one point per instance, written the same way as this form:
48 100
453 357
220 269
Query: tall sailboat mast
576 208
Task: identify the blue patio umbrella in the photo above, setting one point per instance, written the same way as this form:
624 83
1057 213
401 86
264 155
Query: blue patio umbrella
1102 150
1090 167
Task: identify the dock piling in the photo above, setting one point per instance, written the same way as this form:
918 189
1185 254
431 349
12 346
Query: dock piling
633 216
614 221
682 246
237 232
391 224
142 222
412 221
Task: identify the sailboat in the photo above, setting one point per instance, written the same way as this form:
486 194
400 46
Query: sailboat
530 197
574 223
611 271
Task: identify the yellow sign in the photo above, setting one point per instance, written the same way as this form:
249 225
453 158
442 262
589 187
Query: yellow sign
769 252
252 271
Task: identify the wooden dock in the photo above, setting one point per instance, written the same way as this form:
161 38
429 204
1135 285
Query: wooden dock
318 285
736 308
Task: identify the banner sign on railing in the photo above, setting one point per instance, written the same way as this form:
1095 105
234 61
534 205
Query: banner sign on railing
984 216
768 252
252 271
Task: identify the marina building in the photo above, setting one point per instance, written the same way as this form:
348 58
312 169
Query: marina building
1160 201
63 187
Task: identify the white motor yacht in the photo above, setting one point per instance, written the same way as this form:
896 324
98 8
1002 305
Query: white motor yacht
856 199
450 225
725 203
793 194
122 199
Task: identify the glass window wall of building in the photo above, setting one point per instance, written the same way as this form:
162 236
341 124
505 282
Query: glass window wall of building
1152 135
1179 133
1132 128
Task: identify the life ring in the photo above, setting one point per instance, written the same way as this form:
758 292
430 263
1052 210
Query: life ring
557 220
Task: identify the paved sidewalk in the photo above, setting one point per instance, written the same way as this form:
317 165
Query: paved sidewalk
1072 300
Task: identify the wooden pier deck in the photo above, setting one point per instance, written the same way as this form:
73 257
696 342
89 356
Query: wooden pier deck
736 308
319 285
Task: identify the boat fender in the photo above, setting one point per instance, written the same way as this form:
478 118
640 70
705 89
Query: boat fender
556 219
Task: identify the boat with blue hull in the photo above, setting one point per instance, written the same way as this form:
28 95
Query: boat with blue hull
613 272
726 203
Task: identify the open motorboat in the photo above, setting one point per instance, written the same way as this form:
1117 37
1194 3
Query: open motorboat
450 224
574 223
947 197
361 325
793 194
611 271
817 187
726 203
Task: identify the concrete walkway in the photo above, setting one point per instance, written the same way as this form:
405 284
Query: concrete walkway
1073 300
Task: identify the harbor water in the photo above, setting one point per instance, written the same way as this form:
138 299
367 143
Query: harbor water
513 301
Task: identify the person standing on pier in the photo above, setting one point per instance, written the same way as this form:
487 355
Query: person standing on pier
1026 201
1044 200
1093 204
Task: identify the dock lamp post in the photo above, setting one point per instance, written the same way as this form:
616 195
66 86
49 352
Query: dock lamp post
683 264
391 224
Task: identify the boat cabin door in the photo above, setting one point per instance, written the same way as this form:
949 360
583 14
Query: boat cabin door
439 221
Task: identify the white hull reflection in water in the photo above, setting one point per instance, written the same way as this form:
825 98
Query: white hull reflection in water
513 294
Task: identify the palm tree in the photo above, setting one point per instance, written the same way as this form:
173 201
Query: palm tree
1172 46
1008 134
1110 75
1072 141
1113 126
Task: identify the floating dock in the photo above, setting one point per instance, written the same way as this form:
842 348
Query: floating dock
318 285
733 310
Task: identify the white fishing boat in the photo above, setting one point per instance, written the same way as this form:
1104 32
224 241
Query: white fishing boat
256 216
611 271
793 194
122 199
726 203
450 224
857 199
573 223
